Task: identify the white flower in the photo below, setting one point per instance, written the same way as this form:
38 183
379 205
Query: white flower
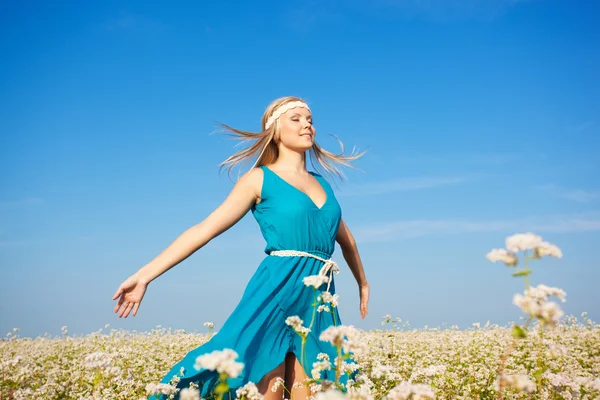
315 280
220 361
330 395
556 350
322 308
296 323
380 370
97 360
535 303
327 297
210 325
354 345
319 366
160 388
429 371
547 249
551 313
523 241
406 390
279 382
335 334
542 292
595 385
502 255
518 382
361 393
189 394
250 391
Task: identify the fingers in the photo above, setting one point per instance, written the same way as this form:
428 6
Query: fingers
118 305
364 309
119 291
126 309
135 309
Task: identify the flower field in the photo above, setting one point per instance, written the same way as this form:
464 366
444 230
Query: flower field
549 356
456 364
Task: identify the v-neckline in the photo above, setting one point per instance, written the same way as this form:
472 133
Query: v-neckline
298 190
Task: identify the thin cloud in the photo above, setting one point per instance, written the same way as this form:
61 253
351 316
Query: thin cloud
464 159
305 16
403 185
26 201
579 128
134 22
400 230
579 195
445 10
8 243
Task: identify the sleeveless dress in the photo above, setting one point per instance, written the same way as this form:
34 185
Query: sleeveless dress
256 329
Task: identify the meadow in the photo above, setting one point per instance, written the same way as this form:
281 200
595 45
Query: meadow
547 356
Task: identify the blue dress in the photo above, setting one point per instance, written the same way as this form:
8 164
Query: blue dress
256 329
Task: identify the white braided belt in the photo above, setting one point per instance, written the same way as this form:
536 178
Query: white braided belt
330 267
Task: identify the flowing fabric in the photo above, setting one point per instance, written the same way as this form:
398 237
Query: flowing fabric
256 329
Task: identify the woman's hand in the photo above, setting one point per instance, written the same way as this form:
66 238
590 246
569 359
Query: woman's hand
364 300
130 294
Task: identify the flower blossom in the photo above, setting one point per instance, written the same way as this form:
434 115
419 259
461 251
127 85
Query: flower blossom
518 382
220 361
405 391
315 280
547 249
160 388
189 394
523 241
548 312
322 365
330 395
329 298
296 323
250 391
502 255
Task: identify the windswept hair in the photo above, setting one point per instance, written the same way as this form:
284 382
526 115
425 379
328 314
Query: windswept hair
266 150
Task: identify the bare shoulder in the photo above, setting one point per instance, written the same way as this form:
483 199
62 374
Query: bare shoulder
252 180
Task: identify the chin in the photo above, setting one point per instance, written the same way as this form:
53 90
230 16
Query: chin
302 147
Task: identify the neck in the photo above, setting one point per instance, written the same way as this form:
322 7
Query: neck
290 160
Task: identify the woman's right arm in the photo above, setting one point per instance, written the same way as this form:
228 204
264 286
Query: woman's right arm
243 195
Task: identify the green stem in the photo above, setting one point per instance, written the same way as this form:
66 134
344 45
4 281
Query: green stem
303 355
526 267
314 310
338 364
312 321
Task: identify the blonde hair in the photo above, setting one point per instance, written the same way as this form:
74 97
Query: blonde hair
267 151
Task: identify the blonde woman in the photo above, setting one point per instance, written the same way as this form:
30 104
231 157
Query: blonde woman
300 220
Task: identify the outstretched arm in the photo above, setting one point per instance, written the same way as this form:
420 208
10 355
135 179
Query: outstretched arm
130 293
245 193
350 252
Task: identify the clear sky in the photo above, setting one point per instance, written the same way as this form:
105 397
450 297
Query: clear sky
481 119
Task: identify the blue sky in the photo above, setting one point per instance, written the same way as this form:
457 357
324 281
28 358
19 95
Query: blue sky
480 119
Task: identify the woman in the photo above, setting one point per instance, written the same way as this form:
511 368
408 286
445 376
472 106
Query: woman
300 220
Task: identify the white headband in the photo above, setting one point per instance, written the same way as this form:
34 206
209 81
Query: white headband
282 110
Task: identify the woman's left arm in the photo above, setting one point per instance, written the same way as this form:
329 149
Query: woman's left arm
350 252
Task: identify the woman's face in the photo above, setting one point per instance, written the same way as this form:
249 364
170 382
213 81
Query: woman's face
296 129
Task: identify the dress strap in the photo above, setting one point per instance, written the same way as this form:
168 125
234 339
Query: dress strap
330 267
